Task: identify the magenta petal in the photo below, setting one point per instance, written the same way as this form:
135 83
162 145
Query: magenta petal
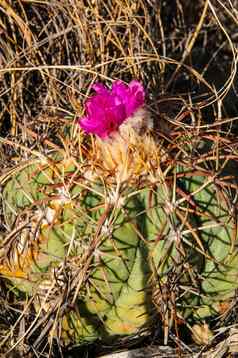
119 113
100 88
90 126
87 124
119 89
107 110
136 85
97 105
138 91
133 96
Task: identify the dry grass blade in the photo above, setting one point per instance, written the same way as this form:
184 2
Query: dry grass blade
51 52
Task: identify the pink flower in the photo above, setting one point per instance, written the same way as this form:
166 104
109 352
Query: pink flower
108 109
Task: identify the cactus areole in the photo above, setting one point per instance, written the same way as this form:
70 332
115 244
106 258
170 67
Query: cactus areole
110 239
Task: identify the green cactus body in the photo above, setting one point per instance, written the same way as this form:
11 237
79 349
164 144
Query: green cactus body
85 229
114 250
26 200
215 224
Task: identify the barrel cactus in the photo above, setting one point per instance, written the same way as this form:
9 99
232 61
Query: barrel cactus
108 236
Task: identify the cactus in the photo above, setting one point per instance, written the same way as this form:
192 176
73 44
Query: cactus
117 249
69 221
217 228
98 236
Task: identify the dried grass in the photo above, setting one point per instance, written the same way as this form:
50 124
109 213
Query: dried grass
185 53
